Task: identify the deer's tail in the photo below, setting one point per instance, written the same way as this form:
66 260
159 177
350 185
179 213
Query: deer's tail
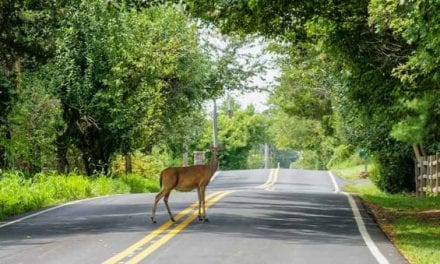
160 179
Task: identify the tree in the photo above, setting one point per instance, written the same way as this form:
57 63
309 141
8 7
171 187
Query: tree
363 64
34 120
26 41
125 76
240 133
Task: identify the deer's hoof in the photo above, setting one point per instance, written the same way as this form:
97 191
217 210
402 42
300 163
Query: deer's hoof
205 220
153 220
200 218
172 219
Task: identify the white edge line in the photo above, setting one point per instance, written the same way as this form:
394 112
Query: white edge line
51 209
360 224
363 230
335 185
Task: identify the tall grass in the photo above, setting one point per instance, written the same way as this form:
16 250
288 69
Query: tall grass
19 194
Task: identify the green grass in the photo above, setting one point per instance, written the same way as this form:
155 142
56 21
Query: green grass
418 239
401 202
19 194
350 173
140 184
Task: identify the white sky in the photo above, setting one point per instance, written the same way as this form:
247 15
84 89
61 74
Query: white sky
258 99
265 80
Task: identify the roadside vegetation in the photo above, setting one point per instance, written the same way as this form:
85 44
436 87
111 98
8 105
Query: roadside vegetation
411 223
20 194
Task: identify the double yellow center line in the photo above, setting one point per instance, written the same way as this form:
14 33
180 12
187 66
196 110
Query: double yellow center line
270 183
140 250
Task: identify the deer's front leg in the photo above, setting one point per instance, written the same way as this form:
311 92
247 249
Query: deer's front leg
156 200
202 194
200 203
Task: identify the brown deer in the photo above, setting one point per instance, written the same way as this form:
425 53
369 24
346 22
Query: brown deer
186 179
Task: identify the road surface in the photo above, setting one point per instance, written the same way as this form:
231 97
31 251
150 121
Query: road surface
255 216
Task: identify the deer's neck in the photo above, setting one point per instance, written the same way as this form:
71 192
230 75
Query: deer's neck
213 164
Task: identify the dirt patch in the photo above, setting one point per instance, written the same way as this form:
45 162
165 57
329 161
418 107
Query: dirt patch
429 215
383 217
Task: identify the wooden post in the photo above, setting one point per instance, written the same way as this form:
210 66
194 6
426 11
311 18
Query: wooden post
417 173
416 151
423 175
437 172
428 173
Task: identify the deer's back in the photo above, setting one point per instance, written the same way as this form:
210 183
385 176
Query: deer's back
185 178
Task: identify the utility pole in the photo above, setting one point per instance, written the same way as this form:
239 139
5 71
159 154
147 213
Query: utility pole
266 156
214 125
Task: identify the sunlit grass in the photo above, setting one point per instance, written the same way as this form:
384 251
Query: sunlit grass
418 239
401 202
19 194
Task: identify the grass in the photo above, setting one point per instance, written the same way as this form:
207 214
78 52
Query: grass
350 173
413 223
418 239
19 194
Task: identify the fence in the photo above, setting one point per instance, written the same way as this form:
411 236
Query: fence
427 175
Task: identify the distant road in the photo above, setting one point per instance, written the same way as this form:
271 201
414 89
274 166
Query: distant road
255 216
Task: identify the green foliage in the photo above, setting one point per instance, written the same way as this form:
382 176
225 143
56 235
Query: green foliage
308 159
34 123
139 184
125 76
371 58
239 134
149 166
19 194
342 154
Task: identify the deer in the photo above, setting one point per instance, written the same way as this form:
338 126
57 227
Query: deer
186 179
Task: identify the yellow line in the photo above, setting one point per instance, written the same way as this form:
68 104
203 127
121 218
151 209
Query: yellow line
268 180
155 232
271 187
142 255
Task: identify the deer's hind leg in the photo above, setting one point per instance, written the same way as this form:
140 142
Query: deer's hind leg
156 200
165 200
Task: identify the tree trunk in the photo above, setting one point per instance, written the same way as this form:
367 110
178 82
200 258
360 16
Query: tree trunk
128 164
87 164
63 163
17 74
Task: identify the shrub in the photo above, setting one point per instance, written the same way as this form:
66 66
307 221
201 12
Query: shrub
139 184
147 166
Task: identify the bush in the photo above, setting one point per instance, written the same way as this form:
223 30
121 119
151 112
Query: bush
309 159
103 185
395 166
149 166
139 184
341 154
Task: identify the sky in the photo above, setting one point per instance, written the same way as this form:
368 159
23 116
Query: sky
255 49
258 99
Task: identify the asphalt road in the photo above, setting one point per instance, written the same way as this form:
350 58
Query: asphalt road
255 216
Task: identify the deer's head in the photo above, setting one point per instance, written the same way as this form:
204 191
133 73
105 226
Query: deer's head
216 150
